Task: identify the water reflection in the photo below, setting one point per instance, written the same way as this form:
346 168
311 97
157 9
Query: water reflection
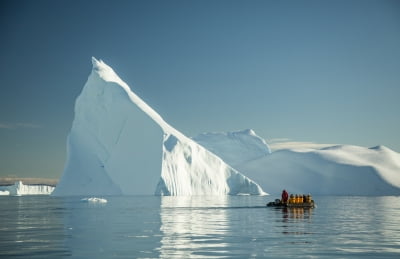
299 214
193 227
198 227
362 225
31 226
124 227
296 221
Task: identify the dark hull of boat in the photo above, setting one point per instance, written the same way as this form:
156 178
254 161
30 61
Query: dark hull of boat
291 205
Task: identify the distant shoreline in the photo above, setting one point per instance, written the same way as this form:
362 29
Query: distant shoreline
4 181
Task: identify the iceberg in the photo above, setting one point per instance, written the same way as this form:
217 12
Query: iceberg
4 193
190 169
118 145
94 200
235 147
20 189
333 170
336 170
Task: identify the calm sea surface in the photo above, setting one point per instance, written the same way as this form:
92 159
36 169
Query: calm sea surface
198 227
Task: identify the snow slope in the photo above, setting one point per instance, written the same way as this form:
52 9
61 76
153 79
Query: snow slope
334 170
19 189
338 170
235 148
106 154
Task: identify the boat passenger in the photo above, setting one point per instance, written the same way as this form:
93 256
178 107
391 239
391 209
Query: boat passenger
285 196
309 200
291 200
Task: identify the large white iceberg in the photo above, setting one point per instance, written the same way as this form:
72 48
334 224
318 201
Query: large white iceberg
334 170
118 145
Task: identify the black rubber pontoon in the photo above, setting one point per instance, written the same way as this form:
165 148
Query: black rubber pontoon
291 205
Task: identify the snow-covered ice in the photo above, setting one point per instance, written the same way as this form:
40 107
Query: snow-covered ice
190 169
106 154
19 189
94 200
118 145
334 170
235 147
4 193
338 170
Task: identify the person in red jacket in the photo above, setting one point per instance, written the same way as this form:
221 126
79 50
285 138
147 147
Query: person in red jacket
285 196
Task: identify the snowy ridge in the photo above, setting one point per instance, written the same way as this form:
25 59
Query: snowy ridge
107 74
109 155
19 189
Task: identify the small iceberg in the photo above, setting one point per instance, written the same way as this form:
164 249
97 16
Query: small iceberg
20 189
94 200
4 193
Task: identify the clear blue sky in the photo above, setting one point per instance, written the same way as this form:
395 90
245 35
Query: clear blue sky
320 71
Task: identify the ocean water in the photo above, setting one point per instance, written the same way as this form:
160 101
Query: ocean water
198 227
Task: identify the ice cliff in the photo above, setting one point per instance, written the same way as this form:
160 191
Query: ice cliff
19 189
118 145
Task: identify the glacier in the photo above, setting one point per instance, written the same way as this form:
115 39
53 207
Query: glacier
20 189
332 170
118 145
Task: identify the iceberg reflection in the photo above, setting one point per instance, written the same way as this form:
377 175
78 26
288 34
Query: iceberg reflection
191 224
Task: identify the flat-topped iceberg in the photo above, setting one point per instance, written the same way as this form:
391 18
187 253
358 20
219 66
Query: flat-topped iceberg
336 170
94 200
118 145
333 170
20 189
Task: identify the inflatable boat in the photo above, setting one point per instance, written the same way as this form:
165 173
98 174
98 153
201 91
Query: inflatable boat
279 204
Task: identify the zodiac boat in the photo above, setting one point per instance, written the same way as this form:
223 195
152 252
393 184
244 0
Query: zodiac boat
279 204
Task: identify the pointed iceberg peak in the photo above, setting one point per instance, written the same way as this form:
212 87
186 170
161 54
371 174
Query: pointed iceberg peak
95 62
114 148
99 65
106 73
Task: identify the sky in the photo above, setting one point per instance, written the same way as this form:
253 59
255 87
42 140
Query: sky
293 71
